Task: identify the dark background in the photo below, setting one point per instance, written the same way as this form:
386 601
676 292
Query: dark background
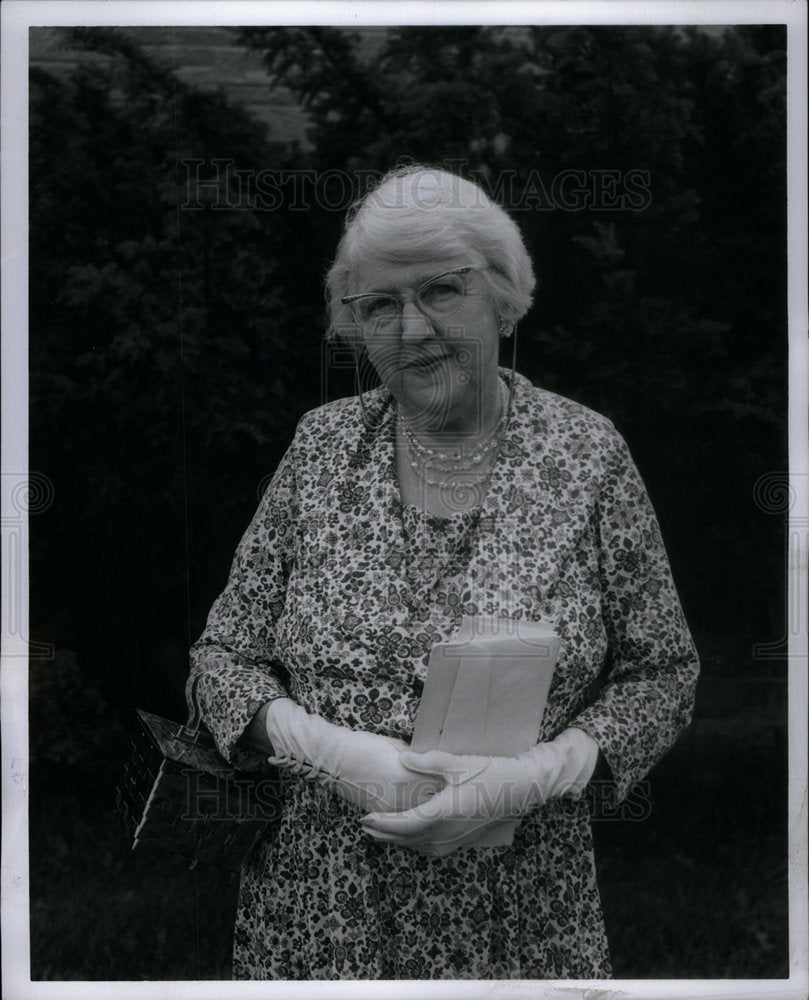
176 338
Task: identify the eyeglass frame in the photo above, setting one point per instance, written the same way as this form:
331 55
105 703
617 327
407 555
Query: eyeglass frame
413 293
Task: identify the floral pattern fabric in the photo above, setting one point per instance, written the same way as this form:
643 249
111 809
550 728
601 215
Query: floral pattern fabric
336 596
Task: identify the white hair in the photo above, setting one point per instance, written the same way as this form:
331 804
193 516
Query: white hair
418 213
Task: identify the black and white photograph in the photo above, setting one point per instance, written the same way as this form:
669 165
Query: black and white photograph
404 499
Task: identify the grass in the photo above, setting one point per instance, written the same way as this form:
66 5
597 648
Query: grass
699 888
101 911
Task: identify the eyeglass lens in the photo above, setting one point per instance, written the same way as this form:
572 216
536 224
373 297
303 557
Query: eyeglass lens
441 295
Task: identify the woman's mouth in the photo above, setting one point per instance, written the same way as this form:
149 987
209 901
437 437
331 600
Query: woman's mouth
427 363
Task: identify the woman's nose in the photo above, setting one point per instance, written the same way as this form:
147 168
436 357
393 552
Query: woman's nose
415 325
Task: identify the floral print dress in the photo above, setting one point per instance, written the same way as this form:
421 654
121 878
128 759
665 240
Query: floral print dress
336 596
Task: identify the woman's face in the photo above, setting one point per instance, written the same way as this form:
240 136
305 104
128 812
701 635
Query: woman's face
439 357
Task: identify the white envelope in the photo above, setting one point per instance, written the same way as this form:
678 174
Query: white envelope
485 693
486 690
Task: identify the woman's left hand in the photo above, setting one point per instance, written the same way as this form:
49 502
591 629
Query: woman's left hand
483 792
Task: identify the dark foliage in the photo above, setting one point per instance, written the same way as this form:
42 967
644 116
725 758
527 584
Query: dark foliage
172 350
662 268
156 358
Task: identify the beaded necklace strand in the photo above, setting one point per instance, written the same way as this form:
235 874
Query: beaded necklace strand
422 458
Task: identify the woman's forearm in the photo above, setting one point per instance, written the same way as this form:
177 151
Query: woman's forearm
255 736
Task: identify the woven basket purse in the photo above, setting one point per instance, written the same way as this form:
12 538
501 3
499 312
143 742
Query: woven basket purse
179 795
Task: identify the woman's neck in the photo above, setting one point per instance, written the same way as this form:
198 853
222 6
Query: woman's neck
469 425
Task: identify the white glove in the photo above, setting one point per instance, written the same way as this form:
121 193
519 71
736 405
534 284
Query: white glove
362 768
482 794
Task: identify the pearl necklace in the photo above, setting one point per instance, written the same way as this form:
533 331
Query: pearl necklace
422 457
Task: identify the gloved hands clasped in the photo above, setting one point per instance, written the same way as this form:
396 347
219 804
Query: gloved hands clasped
434 802
483 797
363 768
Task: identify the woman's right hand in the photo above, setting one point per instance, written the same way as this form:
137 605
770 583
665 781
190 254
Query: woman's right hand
363 768
483 796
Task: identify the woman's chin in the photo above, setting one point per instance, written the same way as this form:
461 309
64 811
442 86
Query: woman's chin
431 407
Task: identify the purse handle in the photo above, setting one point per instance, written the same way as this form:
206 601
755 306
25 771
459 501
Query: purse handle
194 713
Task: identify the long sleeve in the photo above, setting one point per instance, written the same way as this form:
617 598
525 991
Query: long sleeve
234 655
648 696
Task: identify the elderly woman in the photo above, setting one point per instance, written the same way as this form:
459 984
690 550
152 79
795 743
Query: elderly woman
454 488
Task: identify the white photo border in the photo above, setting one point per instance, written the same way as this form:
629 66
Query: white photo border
17 16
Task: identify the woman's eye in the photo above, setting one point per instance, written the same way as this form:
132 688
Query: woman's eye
441 292
376 308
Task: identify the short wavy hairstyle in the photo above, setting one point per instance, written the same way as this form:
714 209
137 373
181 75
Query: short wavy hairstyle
420 212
